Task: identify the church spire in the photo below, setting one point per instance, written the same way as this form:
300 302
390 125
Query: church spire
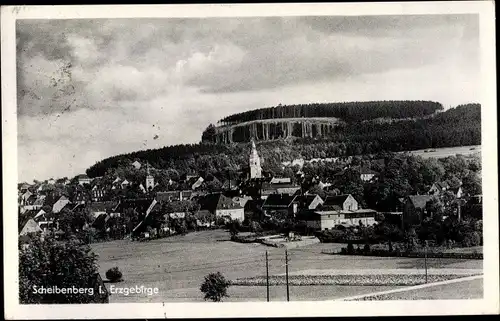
255 169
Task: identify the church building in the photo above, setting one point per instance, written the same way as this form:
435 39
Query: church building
150 180
255 168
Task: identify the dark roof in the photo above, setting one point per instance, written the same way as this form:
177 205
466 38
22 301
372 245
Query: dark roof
102 206
278 185
140 204
40 200
230 184
337 200
167 196
442 185
366 170
25 217
278 201
419 201
100 220
213 202
252 204
305 200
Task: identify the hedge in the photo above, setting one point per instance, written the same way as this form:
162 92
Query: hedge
348 279
385 253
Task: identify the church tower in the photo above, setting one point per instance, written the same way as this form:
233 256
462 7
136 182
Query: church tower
255 169
150 181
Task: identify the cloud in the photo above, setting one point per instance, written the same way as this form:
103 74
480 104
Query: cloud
89 89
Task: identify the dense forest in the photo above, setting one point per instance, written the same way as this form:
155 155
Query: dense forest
347 111
455 127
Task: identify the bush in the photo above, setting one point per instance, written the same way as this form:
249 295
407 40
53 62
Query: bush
366 249
114 275
215 287
255 227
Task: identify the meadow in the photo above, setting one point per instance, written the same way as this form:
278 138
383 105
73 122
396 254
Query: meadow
446 151
177 266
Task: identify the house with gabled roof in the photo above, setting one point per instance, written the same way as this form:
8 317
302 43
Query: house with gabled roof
170 196
137 165
310 201
44 220
30 227
438 187
222 206
414 209
279 188
367 174
344 202
457 191
280 206
230 185
124 183
99 192
280 180
321 219
39 202
25 196
98 208
62 202
83 179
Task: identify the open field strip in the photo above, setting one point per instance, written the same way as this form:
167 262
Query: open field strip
177 266
382 294
432 271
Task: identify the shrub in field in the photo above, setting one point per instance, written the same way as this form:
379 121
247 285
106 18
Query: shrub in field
255 227
215 287
472 239
114 275
366 249
350 248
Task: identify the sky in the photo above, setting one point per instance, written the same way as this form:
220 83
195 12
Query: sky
94 88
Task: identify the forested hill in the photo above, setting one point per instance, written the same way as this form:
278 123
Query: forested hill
455 127
347 111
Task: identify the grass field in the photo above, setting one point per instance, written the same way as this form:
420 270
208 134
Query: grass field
447 151
177 266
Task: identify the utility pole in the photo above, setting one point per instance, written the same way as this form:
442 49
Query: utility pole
286 266
267 277
425 260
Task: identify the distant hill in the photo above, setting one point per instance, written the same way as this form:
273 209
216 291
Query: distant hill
457 126
311 120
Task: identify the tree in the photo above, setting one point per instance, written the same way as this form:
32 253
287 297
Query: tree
114 275
47 263
435 209
315 189
234 227
472 183
215 287
209 134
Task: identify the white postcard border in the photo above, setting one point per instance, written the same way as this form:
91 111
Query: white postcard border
490 303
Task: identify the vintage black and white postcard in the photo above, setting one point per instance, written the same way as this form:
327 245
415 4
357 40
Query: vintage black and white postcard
250 160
